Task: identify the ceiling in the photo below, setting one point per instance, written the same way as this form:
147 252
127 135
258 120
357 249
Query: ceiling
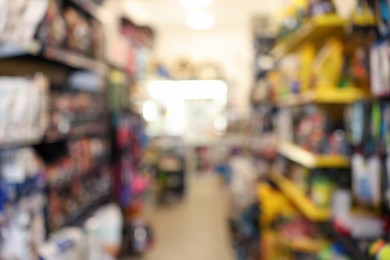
227 13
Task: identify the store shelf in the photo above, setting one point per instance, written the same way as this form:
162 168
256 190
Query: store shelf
304 244
72 59
315 30
9 49
81 215
310 160
76 132
325 95
302 202
20 144
65 183
12 49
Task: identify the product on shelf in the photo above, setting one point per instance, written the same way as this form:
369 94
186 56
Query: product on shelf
52 23
328 64
21 19
135 243
364 14
380 85
76 114
22 203
314 132
76 179
104 232
366 176
136 54
68 243
333 251
380 250
367 125
382 16
53 28
129 146
23 109
321 191
320 7
78 31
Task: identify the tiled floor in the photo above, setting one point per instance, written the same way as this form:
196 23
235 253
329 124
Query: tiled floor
195 228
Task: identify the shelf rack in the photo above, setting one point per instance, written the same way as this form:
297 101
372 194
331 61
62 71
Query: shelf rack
300 200
325 95
315 30
9 49
78 217
310 160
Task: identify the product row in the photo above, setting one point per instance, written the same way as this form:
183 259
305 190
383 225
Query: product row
335 66
76 114
367 126
75 174
53 23
23 109
314 129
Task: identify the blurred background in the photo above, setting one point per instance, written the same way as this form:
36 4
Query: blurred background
194 129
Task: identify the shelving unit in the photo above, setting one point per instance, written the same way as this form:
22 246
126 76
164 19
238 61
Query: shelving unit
300 200
310 160
73 150
324 95
311 31
320 92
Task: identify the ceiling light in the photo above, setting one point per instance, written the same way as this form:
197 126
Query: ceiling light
195 4
200 21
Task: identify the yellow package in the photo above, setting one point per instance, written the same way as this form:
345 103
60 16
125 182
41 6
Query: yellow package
307 55
328 64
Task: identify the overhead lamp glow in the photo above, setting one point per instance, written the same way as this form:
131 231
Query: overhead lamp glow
188 89
200 21
195 4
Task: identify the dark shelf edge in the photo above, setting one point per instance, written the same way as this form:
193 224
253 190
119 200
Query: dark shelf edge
59 55
77 218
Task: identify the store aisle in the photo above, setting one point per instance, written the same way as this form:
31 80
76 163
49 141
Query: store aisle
195 228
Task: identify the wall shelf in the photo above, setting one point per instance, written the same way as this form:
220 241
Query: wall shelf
310 160
300 200
325 95
316 30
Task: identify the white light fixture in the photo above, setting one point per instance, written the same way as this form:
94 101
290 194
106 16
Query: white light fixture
195 4
188 89
149 111
200 21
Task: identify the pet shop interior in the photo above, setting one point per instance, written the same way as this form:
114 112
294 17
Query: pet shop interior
194 129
